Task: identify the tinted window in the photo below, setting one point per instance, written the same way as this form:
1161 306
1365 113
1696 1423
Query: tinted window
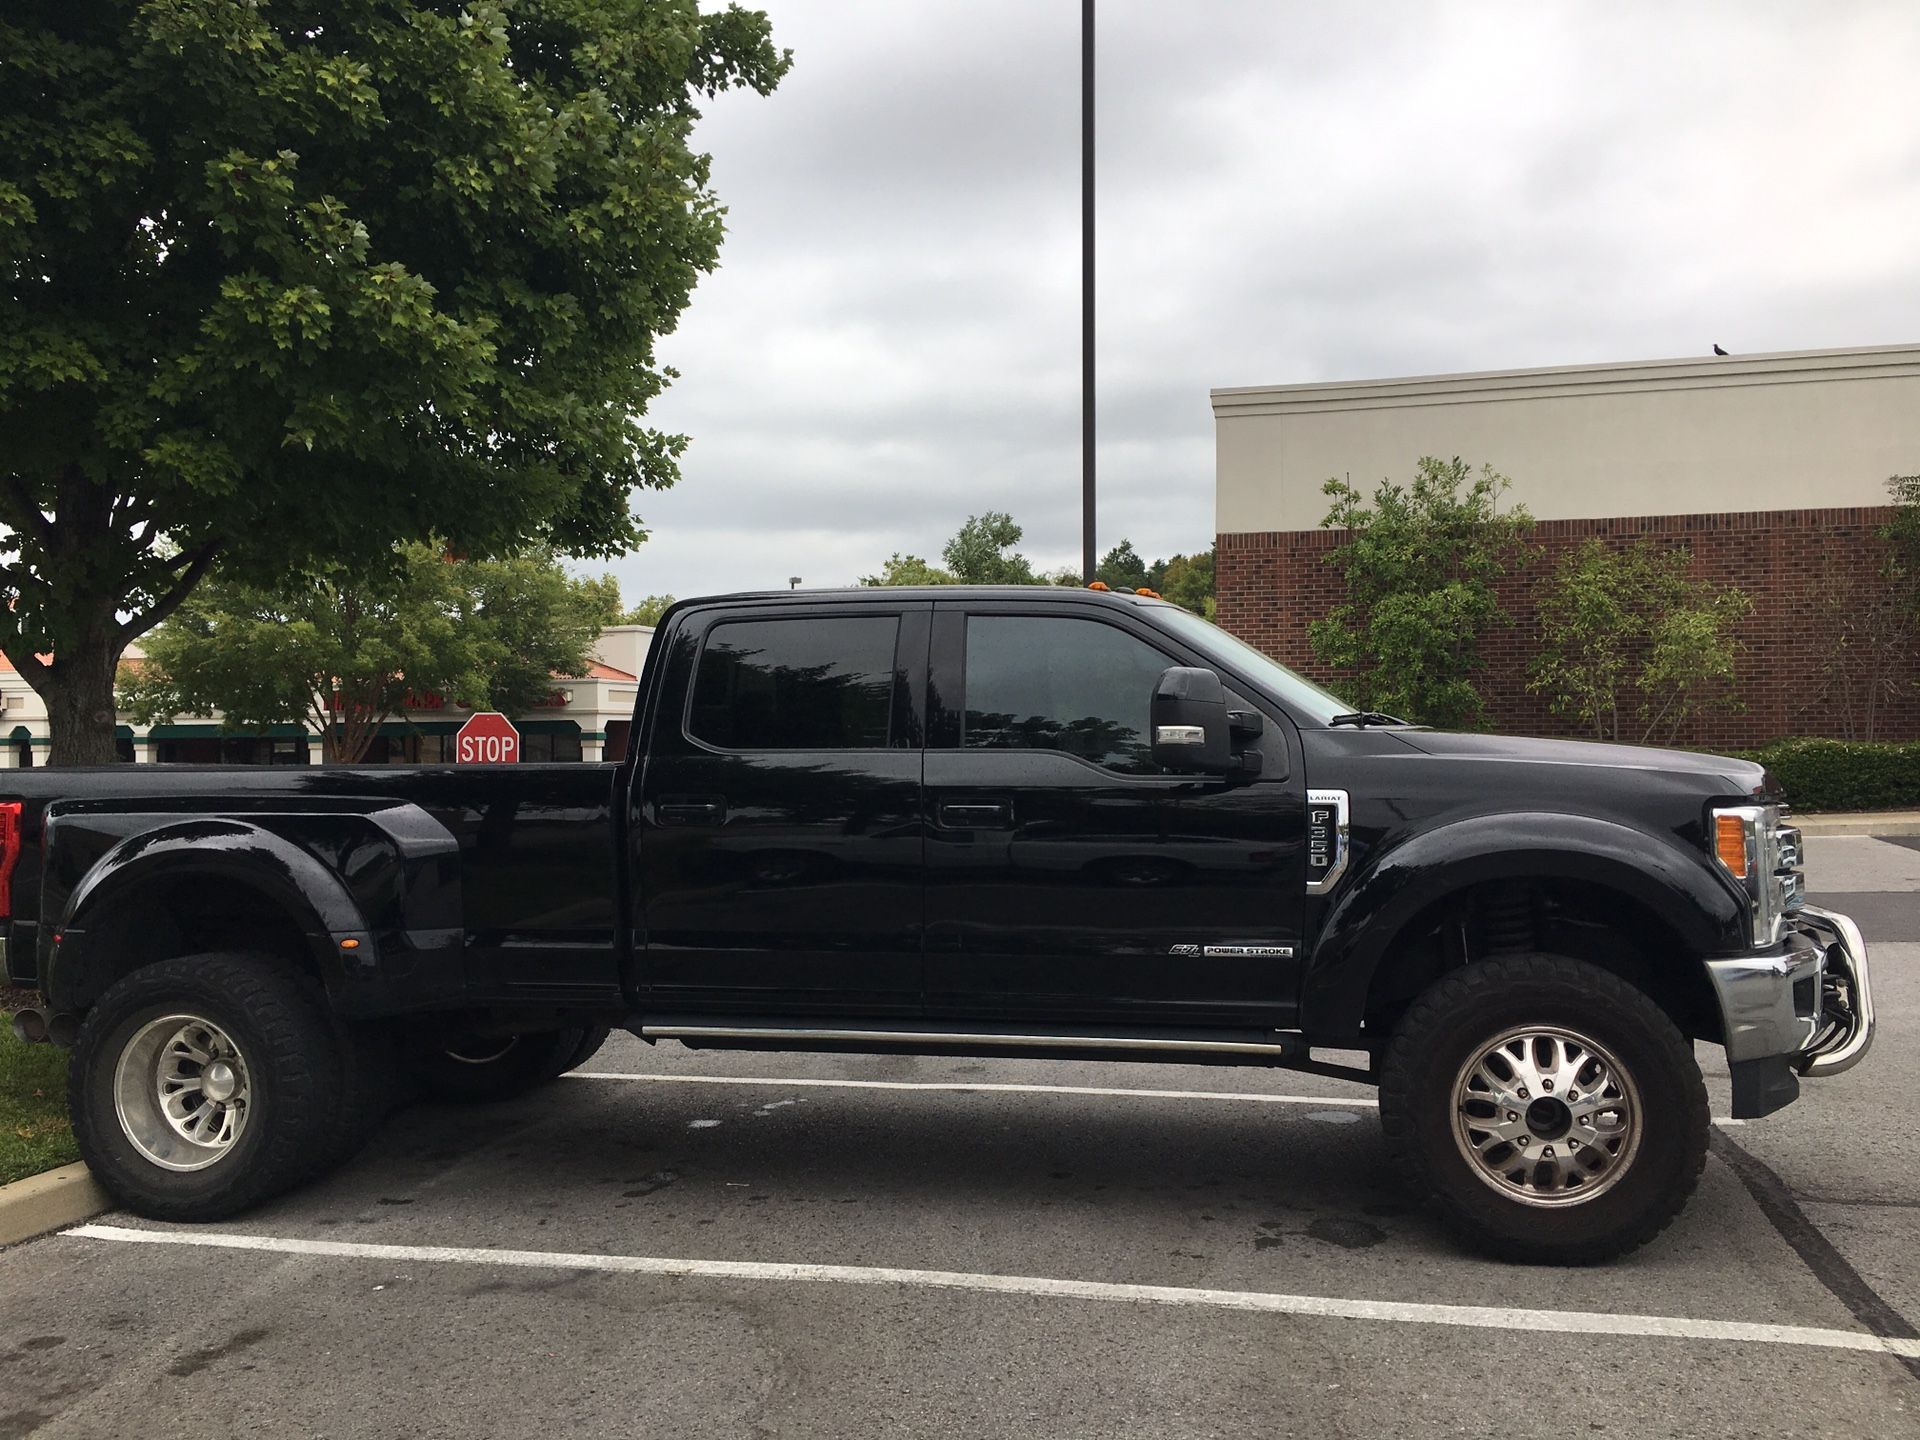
1041 683
799 684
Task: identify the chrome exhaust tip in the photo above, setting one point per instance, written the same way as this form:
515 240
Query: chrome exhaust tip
30 1026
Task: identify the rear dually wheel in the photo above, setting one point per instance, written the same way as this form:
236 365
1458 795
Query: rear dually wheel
202 1085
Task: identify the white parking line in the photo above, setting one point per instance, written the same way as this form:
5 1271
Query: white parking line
1480 1317
1363 1102
962 1087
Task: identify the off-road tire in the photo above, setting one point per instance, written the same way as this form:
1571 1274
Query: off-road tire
369 1089
1471 1008
278 1019
478 1070
591 1039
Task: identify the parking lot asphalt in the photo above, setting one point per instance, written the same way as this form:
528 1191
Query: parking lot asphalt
741 1244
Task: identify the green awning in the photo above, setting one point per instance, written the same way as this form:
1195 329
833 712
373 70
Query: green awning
216 732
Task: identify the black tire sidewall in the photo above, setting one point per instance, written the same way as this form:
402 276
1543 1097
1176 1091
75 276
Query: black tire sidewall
1418 1096
533 1059
272 1011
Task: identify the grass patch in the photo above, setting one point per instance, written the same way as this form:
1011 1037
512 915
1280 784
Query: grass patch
35 1134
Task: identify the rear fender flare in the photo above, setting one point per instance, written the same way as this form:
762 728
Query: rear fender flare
207 850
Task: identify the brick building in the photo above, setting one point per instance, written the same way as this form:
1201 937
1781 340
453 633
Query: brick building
1770 469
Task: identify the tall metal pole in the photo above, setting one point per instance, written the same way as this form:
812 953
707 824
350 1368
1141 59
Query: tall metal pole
1088 557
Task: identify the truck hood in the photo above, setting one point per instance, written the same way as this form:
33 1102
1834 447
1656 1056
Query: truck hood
1742 776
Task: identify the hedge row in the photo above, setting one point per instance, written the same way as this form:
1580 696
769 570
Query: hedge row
1844 774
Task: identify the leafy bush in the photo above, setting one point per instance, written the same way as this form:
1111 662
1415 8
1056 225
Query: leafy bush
1844 774
1419 567
1631 644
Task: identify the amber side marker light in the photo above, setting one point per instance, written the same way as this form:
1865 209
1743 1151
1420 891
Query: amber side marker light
349 944
1730 844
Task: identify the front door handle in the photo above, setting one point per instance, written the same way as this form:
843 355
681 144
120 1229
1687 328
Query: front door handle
690 810
977 814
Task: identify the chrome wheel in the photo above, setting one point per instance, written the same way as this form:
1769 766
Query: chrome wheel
481 1049
183 1092
1546 1116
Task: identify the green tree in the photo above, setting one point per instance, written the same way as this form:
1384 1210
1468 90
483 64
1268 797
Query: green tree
1866 617
603 593
530 622
648 611
982 552
342 652
1631 644
1419 565
909 570
1121 568
1186 580
284 285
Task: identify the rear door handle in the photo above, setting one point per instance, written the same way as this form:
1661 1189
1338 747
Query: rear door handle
690 810
977 814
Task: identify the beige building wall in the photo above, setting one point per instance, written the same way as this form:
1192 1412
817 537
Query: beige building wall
1787 431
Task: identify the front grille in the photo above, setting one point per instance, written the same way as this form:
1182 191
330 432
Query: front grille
1784 868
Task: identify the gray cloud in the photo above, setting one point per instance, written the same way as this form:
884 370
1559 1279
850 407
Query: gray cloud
1288 192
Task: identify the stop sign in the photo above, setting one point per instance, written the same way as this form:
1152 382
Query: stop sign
487 739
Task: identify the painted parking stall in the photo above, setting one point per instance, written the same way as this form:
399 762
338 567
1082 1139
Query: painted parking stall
878 1246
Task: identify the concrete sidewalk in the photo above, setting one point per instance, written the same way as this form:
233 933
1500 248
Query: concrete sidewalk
1880 823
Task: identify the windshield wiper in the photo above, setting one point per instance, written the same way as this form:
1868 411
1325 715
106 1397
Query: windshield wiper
1364 718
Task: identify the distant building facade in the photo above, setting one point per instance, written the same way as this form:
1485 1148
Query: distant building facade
587 719
1771 469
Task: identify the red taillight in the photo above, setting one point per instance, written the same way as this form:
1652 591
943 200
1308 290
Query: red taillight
9 853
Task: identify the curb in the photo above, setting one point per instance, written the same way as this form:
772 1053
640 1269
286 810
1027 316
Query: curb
1878 825
50 1201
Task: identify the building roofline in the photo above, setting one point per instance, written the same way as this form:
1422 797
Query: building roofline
1558 381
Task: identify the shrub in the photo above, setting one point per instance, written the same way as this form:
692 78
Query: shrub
1632 645
1844 774
1419 567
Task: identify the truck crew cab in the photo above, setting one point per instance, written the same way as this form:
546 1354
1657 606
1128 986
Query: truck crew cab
948 821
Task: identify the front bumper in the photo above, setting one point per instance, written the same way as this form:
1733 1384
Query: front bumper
1805 1011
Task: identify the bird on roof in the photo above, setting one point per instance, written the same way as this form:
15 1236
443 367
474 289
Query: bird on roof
1718 351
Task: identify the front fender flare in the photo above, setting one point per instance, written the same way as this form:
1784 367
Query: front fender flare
1402 878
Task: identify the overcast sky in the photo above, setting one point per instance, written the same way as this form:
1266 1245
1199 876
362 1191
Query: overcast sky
1287 192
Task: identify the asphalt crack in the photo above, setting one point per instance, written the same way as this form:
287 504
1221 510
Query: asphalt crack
1816 1251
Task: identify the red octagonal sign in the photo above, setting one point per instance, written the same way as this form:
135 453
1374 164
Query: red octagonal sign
487 739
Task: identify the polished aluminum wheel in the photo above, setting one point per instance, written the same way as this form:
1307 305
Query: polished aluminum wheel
1546 1116
481 1049
183 1092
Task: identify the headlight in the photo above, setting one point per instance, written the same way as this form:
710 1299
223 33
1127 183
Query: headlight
1761 854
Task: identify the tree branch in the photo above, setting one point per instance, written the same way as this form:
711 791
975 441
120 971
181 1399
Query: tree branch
196 566
38 523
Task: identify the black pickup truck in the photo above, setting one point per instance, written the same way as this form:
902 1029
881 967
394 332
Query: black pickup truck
956 821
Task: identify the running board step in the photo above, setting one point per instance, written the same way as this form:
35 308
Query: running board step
926 1037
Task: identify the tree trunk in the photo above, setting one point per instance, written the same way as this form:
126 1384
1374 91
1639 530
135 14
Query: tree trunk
78 690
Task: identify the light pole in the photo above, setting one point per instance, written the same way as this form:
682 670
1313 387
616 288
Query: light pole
1088 558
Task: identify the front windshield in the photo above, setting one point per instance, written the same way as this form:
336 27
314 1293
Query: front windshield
1299 693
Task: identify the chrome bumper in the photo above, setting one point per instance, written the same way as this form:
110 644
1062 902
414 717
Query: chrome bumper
1846 995
1811 1005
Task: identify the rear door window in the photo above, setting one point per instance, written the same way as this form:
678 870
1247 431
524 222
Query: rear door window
799 683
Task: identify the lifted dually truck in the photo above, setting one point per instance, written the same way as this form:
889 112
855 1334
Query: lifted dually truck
956 821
